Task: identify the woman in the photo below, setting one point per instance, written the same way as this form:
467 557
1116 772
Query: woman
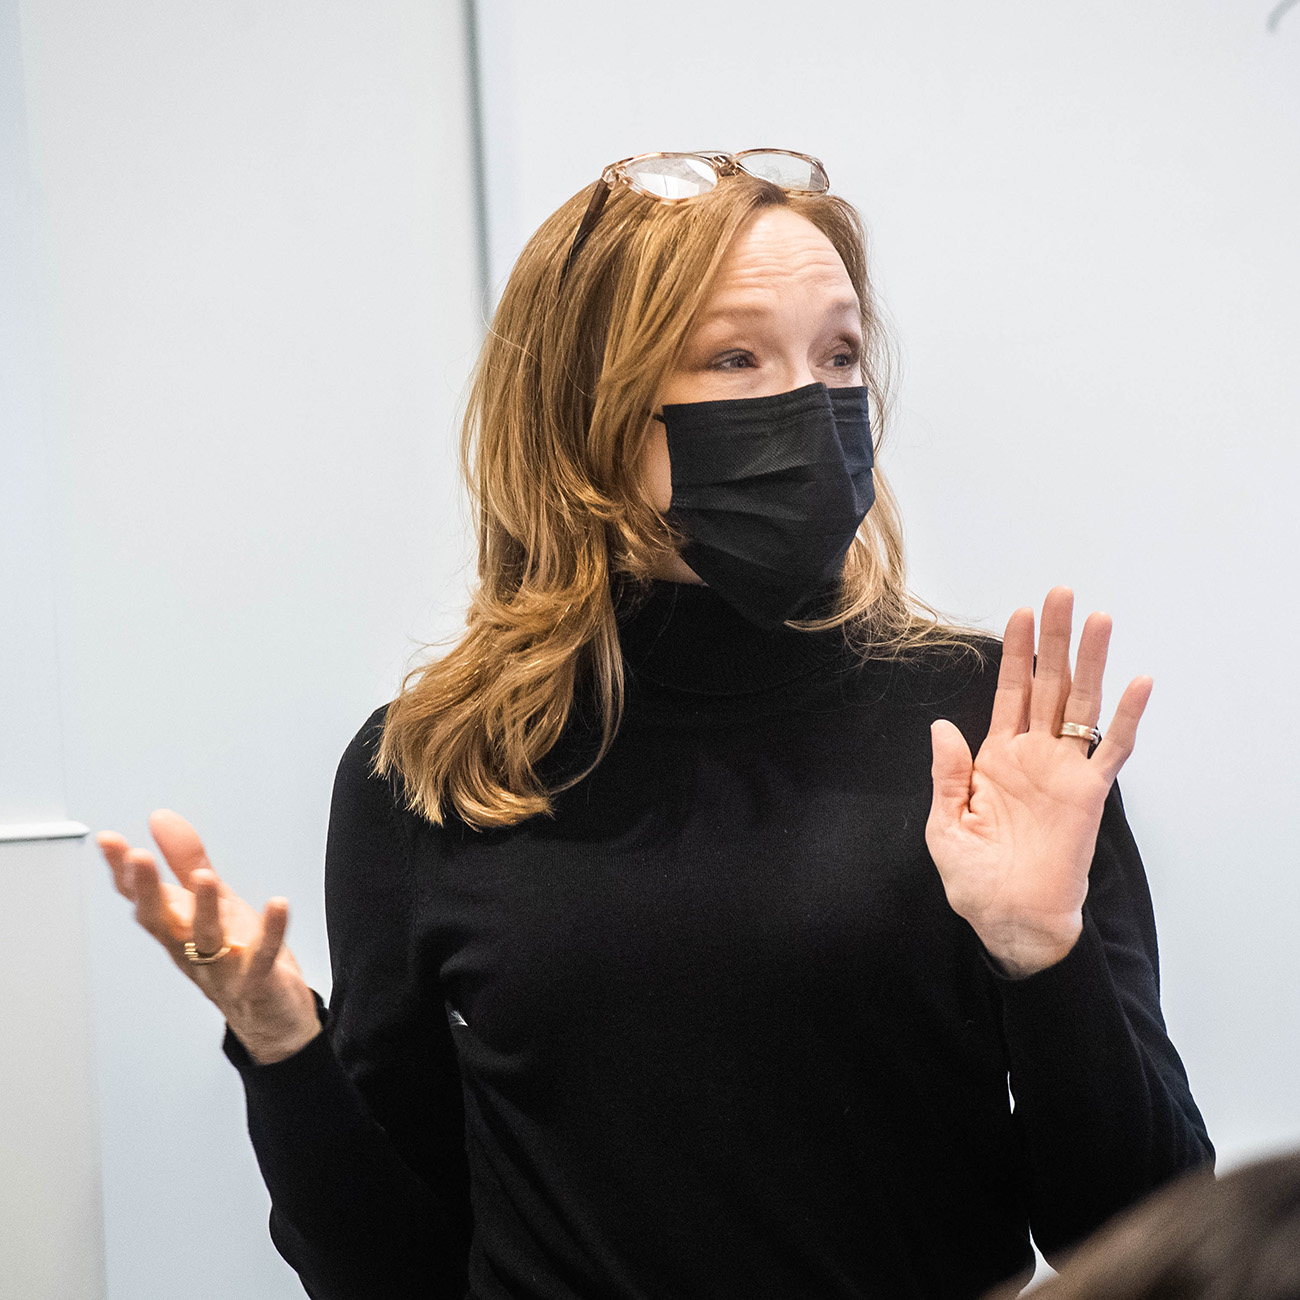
645 981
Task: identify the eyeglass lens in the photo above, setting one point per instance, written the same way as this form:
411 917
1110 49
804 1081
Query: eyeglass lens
782 169
672 178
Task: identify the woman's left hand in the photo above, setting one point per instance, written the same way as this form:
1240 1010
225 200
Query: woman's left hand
1013 832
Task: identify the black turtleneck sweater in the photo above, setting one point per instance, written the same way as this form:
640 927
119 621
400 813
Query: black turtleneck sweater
712 1030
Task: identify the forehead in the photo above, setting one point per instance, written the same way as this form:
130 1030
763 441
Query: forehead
777 256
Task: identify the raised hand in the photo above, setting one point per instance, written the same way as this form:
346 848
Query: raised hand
255 982
1013 832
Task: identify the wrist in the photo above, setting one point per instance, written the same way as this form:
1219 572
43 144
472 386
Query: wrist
268 1040
271 1050
1020 950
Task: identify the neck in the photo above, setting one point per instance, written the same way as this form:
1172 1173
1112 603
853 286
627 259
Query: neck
684 636
672 568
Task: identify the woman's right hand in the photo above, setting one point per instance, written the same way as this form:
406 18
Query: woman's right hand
257 985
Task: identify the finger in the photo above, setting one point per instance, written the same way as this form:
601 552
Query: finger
1121 736
209 936
1015 676
275 921
1084 704
181 846
114 848
951 770
1052 671
150 905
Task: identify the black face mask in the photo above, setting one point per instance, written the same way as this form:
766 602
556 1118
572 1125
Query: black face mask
769 491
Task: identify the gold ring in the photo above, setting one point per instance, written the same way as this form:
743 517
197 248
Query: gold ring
204 959
1081 731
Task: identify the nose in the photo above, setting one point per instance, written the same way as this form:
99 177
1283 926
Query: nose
787 377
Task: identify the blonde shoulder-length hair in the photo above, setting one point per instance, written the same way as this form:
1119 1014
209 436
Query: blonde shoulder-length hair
551 450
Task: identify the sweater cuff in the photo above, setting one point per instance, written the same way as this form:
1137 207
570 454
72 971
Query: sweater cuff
1059 989
306 1058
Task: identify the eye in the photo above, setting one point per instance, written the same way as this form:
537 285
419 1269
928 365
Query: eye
847 355
734 361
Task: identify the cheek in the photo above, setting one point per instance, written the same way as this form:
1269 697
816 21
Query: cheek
656 470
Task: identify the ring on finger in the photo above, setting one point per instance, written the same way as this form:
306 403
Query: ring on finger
1080 731
197 958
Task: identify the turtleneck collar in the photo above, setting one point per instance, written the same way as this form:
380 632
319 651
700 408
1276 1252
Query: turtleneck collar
684 636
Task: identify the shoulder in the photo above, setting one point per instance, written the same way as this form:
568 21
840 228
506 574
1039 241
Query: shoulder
357 781
369 840
364 746
367 851
965 666
954 680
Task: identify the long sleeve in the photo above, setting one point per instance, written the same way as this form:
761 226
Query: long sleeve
1102 1102
360 1136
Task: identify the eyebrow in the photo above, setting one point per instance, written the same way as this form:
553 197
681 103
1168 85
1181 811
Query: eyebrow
836 308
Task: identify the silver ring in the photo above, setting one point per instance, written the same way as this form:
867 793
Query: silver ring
1081 731
198 958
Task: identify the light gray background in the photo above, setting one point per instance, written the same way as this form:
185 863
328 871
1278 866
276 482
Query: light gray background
242 299
251 301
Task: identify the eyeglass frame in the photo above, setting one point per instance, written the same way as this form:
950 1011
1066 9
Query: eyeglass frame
724 164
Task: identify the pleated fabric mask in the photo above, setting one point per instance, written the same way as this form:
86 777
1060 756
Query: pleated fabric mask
769 492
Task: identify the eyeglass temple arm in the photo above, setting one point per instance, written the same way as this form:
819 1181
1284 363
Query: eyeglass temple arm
589 219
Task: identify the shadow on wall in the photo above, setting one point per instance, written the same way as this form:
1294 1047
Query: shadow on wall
1279 12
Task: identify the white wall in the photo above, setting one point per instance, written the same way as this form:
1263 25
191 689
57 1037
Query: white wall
1085 225
51 1217
262 305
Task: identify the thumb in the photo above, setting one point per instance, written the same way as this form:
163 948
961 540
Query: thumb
951 771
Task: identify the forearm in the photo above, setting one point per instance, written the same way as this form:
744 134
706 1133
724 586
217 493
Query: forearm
348 1214
1101 1100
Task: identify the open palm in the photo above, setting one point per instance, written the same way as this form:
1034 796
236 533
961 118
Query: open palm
1013 831
252 976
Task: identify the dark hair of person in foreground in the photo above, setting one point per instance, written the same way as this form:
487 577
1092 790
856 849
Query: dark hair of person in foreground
1200 1238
